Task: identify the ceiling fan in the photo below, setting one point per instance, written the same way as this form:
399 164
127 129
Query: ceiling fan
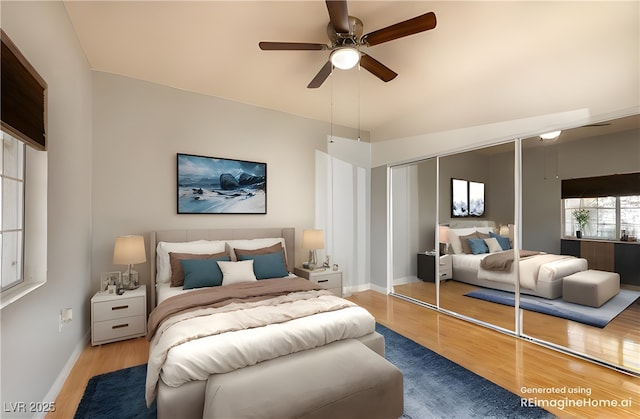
345 34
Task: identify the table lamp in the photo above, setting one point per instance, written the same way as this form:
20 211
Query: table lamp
443 234
312 240
129 250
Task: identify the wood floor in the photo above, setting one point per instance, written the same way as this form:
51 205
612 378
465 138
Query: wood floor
512 363
618 343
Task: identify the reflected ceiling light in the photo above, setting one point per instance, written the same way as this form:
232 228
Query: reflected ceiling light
345 58
550 136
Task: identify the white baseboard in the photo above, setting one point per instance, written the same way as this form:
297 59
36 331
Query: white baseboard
350 290
405 280
53 392
378 288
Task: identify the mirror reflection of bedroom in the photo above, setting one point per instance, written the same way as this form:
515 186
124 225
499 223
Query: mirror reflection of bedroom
575 293
470 229
413 203
601 161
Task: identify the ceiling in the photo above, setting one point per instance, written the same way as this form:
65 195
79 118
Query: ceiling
610 127
628 124
478 50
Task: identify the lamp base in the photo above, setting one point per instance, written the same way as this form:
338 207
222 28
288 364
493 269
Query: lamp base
130 280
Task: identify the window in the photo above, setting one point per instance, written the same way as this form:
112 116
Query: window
23 175
610 217
12 192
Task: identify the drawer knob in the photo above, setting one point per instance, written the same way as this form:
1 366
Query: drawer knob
119 307
119 326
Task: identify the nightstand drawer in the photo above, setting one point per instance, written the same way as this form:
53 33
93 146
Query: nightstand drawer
446 267
118 308
446 272
327 280
118 328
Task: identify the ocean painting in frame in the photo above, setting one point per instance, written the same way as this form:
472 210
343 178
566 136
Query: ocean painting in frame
211 185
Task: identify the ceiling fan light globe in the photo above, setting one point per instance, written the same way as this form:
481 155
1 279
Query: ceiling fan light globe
550 136
345 58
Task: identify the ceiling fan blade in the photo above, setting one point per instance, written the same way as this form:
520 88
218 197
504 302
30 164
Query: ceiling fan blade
290 46
338 15
376 68
408 27
322 75
598 124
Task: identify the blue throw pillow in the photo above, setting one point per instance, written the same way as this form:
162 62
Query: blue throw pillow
478 246
199 273
502 240
270 265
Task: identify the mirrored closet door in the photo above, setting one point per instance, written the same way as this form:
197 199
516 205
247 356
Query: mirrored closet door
413 200
592 169
476 208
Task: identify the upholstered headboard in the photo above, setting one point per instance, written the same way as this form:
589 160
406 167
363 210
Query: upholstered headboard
288 233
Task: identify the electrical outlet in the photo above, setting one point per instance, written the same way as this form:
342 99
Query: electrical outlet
66 316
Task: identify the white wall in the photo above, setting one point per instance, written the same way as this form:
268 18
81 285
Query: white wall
138 129
343 182
33 351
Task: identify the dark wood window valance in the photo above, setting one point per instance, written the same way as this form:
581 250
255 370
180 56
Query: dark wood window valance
23 109
612 185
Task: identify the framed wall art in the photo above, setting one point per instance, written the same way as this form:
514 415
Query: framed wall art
467 198
213 185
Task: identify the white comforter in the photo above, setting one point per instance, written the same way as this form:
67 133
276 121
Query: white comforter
194 345
530 268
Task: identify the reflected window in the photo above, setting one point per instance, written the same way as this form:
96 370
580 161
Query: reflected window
609 217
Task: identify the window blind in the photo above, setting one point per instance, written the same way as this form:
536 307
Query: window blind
612 185
23 91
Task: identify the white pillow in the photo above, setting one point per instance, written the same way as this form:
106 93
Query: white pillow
493 245
236 272
253 244
198 247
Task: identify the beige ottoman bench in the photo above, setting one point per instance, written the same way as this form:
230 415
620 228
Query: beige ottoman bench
590 288
344 379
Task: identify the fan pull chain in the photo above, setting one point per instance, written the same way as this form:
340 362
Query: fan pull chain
331 107
359 100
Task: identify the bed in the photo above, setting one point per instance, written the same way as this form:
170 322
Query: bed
482 257
253 317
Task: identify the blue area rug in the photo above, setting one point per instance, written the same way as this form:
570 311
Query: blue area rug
116 395
434 387
598 317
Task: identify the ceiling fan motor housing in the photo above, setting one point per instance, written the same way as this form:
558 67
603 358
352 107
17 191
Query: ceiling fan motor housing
346 39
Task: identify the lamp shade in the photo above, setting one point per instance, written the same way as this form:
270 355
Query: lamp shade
129 250
443 233
345 58
312 239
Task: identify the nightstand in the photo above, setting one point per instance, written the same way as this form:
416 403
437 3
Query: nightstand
427 267
118 317
326 278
